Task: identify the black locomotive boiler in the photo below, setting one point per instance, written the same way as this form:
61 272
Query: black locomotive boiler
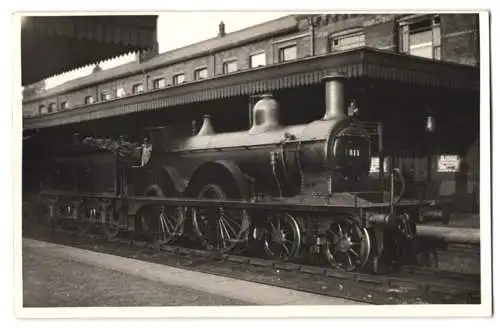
292 189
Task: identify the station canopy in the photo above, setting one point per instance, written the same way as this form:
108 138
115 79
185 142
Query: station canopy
51 45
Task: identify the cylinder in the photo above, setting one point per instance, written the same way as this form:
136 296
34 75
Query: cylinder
334 96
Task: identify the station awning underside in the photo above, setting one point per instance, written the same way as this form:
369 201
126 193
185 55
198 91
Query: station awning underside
354 64
51 45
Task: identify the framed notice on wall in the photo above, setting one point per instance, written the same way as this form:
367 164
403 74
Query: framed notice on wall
448 163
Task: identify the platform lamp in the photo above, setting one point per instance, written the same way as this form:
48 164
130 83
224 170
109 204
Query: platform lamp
430 127
430 121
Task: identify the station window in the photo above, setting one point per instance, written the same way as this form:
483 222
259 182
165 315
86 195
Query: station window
42 109
120 92
52 107
288 53
64 105
201 74
179 78
105 96
89 100
347 41
159 83
137 88
230 66
257 60
421 37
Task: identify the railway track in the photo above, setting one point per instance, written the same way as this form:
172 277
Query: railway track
411 285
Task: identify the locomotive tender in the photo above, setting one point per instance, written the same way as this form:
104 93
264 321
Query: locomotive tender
294 190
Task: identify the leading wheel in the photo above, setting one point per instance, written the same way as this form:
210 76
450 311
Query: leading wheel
281 236
347 244
219 228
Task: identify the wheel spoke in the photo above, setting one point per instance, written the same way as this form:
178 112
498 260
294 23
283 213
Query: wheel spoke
349 259
272 226
287 251
164 228
224 218
225 231
169 223
341 233
353 252
222 240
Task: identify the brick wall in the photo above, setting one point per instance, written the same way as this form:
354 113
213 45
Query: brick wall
382 35
188 67
242 55
77 98
460 38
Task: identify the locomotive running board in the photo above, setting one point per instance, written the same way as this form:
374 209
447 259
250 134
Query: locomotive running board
274 205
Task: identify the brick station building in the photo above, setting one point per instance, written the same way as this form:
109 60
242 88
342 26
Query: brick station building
402 69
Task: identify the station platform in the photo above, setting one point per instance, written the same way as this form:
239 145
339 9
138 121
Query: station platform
62 276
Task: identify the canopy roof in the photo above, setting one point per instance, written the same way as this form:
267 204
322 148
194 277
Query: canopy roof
52 45
358 63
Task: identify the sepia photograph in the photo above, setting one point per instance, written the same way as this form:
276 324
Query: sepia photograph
253 161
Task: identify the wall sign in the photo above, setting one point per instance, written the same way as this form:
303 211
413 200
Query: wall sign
448 163
375 165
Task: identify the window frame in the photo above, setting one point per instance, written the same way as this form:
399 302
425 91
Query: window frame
136 86
434 25
92 100
124 92
106 96
52 107
357 32
200 69
258 53
63 105
156 82
176 76
281 52
42 109
226 63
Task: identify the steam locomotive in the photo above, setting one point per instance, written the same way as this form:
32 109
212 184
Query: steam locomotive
292 190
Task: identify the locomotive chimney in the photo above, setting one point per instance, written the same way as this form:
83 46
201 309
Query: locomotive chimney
334 96
206 128
265 114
